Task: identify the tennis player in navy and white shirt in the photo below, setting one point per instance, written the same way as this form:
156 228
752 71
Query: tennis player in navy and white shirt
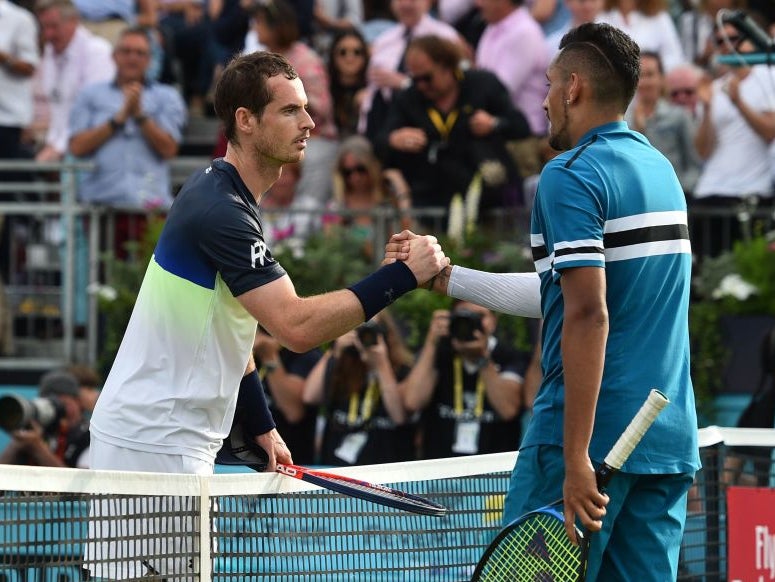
185 363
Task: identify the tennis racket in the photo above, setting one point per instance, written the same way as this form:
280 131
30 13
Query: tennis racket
240 449
535 546
373 492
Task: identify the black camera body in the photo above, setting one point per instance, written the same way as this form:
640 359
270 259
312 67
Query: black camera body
369 332
17 412
463 324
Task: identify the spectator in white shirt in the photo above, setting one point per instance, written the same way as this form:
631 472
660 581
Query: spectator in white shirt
73 58
18 59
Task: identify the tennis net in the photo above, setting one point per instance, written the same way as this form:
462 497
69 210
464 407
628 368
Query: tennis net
237 527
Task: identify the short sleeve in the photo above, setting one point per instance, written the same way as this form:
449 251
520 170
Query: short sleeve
232 240
572 218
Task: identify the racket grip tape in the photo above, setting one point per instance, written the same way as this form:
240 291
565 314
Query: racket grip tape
634 432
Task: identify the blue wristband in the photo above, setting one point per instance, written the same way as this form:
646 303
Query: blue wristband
384 286
252 408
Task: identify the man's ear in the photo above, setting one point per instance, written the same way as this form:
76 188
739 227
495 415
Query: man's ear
573 88
245 120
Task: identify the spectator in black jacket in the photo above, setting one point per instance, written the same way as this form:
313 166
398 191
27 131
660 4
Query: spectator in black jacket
450 126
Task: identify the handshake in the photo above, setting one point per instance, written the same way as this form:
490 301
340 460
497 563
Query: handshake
424 257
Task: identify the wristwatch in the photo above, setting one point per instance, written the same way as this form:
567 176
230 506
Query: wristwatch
115 125
140 119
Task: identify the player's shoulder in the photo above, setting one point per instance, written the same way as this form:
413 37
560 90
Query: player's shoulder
212 189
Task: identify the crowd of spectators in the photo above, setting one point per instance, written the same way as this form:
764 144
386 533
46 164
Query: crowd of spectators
413 101
446 92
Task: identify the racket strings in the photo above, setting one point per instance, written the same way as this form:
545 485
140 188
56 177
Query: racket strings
535 550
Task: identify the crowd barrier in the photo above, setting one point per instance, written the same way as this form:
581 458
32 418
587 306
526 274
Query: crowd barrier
52 248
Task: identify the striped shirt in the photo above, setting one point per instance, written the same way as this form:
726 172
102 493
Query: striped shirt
614 202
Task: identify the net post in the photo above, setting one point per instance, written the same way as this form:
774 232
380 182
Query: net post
205 562
713 503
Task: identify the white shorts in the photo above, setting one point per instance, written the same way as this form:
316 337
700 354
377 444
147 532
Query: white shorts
145 536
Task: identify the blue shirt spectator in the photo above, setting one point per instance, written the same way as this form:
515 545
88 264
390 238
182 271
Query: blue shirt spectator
98 10
129 128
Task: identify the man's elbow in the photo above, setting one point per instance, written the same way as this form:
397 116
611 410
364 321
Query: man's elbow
169 151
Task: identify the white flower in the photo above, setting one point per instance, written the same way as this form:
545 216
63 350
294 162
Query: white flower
105 292
473 196
456 218
734 286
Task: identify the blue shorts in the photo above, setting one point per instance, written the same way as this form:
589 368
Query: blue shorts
647 511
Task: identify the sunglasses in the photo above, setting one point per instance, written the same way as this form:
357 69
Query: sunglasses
424 78
686 92
132 51
733 40
359 169
343 52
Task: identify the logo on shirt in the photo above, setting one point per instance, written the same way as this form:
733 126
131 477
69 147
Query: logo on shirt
258 253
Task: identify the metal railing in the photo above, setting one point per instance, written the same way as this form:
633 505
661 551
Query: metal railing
54 247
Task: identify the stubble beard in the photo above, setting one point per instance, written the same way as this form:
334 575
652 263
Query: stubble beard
559 139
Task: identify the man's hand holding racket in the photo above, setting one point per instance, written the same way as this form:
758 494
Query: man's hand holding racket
276 449
581 497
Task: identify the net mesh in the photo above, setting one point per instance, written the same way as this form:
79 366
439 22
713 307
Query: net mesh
57 524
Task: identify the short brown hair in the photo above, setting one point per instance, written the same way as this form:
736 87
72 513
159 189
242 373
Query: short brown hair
243 84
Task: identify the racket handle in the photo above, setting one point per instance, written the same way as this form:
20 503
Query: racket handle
638 426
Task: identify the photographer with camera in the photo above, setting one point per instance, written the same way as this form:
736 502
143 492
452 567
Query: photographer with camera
47 431
358 383
468 385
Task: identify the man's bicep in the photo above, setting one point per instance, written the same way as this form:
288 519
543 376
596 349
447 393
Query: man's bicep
583 290
270 304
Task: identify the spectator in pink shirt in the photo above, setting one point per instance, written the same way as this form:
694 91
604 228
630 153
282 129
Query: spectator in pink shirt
512 31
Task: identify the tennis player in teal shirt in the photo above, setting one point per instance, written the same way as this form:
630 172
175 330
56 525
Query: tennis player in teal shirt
611 249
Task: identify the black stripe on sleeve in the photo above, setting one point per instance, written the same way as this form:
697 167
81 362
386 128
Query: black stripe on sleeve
645 235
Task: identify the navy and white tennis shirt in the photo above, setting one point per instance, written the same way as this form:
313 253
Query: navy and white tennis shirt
173 386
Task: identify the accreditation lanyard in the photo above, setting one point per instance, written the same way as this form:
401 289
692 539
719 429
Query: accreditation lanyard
458 390
367 406
443 125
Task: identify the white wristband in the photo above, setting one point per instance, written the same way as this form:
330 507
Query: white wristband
512 293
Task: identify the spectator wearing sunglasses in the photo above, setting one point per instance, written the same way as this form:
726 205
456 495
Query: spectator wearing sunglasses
695 29
681 85
668 127
360 186
348 60
736 129
387 68
451 126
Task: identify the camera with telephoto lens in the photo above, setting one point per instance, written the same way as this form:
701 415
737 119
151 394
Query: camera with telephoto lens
369 332
16 412
463 324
